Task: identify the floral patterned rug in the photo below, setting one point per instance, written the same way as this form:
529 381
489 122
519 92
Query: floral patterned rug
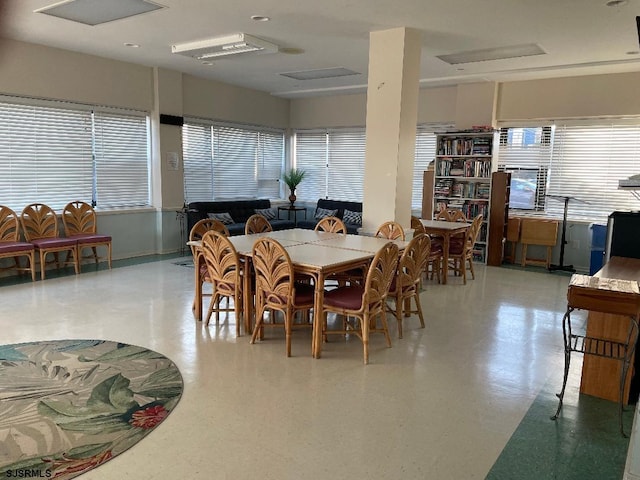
68 406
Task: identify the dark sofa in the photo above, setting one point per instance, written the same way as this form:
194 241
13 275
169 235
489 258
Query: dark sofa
338 205
240 211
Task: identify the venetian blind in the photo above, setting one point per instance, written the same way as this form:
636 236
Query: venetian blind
310 152
230 161
425 154
346 152
587 162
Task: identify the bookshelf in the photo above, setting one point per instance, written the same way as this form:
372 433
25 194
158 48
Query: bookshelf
462 178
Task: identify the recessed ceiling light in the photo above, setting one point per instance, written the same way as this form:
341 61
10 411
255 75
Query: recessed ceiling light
260 18
132 45
616 3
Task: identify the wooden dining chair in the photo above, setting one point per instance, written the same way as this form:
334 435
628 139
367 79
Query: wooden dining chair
10 244
391 231
256 223
416 225
331 224
406 283
363 305
461 252
197 232
40 226
278 290
225 274
81 223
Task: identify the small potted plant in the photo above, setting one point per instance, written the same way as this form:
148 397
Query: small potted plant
292 179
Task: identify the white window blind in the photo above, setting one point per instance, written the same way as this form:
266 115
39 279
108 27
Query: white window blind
56 153
587 162
525 149
122 160
230 161
425 154
346 165
311 155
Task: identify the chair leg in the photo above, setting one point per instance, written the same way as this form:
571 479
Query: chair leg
43 264
398 314
365 337
95 254
419 309
288 320
473 274
385 327
109 254
258 326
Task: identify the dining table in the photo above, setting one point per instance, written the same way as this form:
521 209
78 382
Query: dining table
313 253
446 230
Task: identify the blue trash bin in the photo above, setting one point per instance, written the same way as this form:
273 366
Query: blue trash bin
598 240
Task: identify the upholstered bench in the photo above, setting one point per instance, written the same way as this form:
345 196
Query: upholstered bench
349 212
234 214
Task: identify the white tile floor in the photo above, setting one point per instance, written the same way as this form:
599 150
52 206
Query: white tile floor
440 404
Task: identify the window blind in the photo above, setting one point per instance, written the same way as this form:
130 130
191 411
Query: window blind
121 160
587 162
310 152
346 152
425 154
229 161
54 153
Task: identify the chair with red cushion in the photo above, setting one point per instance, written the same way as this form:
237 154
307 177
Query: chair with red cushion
10 244
278 290
406 284
256 223
363 304
40 226
81 223
391 231
225 273
331 224
461 251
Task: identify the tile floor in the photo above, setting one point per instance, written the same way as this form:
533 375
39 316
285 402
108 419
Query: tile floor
442 403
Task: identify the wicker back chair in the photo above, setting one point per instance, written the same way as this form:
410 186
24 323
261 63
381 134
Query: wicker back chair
364 304
40 226
391 231
257 224
81 223
461 253
197 232
10 244
331 224
277 290
406 284
224 272
416 225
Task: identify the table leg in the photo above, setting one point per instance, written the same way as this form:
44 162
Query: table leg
316 343
445 257
247 296
198 288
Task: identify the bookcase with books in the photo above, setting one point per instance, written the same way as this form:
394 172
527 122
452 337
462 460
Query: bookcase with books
462 177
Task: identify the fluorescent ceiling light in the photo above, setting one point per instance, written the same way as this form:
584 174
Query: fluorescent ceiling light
499 53
95 12
222 46
320 73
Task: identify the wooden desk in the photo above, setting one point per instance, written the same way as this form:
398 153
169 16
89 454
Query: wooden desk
601 376
446 230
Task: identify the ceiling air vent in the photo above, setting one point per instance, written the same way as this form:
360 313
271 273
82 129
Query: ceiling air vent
321 73
223 46
499 53
95 12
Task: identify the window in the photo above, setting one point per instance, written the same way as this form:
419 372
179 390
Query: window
334 162
425 154
334 159
584 162
56 154
229 161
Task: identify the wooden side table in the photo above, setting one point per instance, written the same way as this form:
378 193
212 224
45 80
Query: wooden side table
289 209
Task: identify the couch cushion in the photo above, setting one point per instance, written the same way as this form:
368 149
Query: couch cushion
352 217
239 210
268 213
324 212
225 217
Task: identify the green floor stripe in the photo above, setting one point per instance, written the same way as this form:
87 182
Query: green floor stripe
584 443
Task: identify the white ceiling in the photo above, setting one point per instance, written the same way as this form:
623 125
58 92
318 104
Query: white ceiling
580 37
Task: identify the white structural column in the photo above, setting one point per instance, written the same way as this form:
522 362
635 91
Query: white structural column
392 114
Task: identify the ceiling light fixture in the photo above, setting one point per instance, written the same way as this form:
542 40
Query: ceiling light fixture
96 12
222 46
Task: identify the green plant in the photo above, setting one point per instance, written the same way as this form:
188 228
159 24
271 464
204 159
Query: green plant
293 177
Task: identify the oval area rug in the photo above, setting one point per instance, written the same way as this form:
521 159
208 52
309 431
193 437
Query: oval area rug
67 406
